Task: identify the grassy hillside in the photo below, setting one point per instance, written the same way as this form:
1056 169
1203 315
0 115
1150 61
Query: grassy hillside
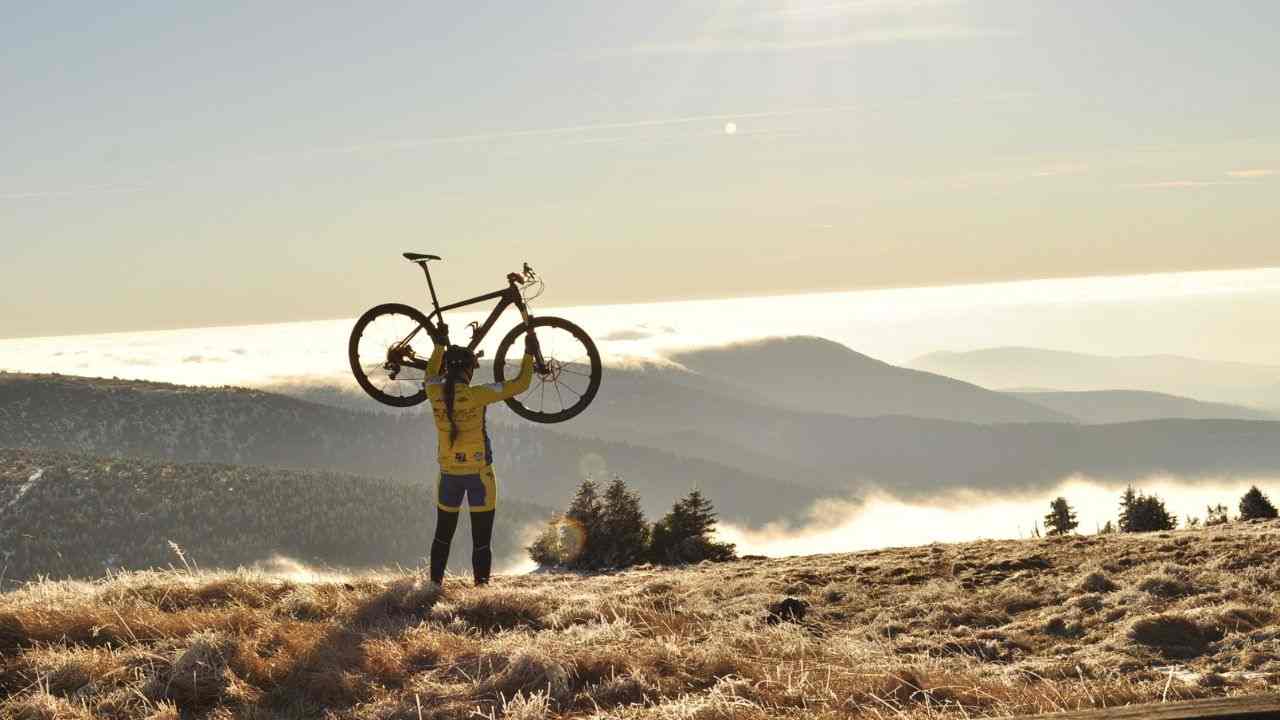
942 631
122 418
72 515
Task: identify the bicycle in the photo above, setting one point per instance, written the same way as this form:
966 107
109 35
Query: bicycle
384 360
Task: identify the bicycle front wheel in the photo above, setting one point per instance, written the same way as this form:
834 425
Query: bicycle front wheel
572 370
381 349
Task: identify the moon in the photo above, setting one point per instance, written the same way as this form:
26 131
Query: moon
730 128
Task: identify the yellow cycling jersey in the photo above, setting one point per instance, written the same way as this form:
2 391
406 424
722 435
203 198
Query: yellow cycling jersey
470 452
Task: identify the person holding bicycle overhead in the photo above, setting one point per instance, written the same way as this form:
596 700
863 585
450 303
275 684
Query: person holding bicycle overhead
465 453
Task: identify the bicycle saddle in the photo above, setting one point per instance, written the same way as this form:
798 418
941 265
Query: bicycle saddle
419 257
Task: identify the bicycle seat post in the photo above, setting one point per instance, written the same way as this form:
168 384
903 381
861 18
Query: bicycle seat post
432 287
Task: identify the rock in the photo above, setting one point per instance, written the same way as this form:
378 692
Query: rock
788 610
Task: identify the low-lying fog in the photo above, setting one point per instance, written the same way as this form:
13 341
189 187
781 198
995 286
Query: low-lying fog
882 520
1123 315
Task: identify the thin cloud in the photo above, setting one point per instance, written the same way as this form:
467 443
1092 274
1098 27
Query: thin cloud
865 7
87 190
877 36
1253 173
1059 169
1183 184
201 359
411 143
1016 175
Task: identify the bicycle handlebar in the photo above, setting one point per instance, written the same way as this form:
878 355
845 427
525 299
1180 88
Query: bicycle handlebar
526 275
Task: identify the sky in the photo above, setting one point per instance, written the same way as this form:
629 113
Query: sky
169 165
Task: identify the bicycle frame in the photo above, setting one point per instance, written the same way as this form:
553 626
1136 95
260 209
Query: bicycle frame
507 297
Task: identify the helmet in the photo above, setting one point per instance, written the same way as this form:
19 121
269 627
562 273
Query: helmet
459 359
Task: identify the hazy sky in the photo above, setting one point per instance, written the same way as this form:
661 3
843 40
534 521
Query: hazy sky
180 164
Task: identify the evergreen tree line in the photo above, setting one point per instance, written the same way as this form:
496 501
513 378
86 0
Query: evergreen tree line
1140 512
607 530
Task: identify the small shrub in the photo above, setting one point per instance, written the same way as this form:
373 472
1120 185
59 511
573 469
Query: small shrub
1096 582
1166 586
1240 619
1089 603
1060 627
198 676
497 608
42 706
528 671
1172 635
1216 515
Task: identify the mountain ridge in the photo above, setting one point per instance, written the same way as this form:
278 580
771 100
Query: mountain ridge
810 373
1113 406
1252 385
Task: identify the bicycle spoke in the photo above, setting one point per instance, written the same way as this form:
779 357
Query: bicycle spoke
574 372
526 394
566 387
562 406
542 401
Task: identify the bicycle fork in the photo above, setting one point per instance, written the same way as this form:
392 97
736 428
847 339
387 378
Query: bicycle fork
539 364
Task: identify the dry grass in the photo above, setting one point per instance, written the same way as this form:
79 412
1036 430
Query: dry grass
980 629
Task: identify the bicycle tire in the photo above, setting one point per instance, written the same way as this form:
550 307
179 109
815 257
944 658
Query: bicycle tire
594 376
353 353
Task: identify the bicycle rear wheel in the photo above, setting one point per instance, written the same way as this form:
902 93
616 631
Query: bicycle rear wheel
573 371
382 346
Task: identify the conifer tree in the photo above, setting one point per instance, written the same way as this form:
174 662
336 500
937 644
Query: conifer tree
624 530
1127 502
1061 518
1147 513
1254 505
585 511
684 534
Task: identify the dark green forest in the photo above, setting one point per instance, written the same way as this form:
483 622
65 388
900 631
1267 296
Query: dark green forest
73 515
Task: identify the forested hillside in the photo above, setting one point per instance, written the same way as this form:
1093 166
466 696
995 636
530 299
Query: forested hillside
232 425
66 514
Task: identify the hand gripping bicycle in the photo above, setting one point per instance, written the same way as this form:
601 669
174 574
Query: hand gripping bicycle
390 344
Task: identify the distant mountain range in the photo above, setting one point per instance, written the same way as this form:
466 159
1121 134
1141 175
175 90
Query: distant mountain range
811 374
751 425
1256 386
728 417
1115 406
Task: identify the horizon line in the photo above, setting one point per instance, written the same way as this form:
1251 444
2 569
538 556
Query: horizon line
708 298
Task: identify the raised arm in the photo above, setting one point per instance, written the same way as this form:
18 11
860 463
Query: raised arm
495 392
437 355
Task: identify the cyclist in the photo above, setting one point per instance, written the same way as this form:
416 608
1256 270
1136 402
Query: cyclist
465 454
